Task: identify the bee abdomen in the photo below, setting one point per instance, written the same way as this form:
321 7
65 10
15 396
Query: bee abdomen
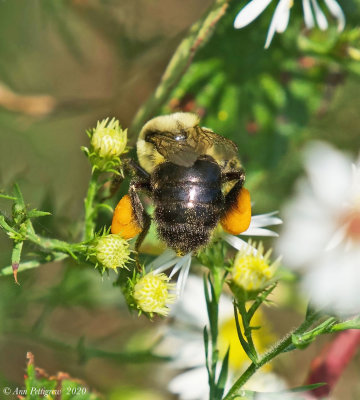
188 203
184 237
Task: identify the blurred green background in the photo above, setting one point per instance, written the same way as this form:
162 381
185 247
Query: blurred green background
64 64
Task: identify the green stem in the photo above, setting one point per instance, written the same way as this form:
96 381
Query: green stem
86 353
34 263
279 348
198 34
216 283
90 209
57 245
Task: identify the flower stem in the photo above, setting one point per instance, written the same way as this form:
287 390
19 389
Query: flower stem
57 245
199 33
90 210
53 257
279 348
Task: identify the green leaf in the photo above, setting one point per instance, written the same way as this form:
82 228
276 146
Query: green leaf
349 324
6 226
305 388
5 196
18 195
259 300
243 342
36 213
206 345
282 395
223 374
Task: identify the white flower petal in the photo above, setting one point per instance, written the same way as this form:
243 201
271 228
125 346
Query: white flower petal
275 21
184 309
329 172
308 15
250 12
166 256
234 241
337 12
191 385
283 19
178 265
259 232
308 229
262 220
165 266
183 276
334 283
320 16
336 239
184 346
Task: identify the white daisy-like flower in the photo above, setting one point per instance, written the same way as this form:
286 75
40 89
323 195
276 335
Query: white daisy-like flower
322 231
184 342
168 259
312 13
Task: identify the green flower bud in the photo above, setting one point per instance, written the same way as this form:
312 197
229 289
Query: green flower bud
112 251
108 139
151 293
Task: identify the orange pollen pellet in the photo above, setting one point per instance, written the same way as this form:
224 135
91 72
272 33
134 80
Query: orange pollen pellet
238 218
124 221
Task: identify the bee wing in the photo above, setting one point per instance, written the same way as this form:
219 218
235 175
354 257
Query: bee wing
183 147
184 156
219 146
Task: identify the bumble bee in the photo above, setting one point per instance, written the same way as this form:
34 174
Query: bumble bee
194 178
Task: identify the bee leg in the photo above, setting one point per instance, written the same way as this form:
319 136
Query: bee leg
129 167
234 176
142 217
135 168
237 212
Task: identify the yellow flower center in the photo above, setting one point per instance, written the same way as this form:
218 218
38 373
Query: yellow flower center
151 293
112 251
252 269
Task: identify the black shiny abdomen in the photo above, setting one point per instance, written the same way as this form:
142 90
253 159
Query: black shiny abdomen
188 203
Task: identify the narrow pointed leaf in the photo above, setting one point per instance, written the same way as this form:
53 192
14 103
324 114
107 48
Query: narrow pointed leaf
223 374
36 213
18 195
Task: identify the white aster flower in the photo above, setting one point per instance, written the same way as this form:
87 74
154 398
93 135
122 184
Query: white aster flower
184 342
279 22
322 230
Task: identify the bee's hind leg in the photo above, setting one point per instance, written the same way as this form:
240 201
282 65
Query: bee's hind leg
142 217
236 217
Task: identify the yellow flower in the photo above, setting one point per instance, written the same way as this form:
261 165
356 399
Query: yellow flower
262 338
112 251
151 293
108 139
252 269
